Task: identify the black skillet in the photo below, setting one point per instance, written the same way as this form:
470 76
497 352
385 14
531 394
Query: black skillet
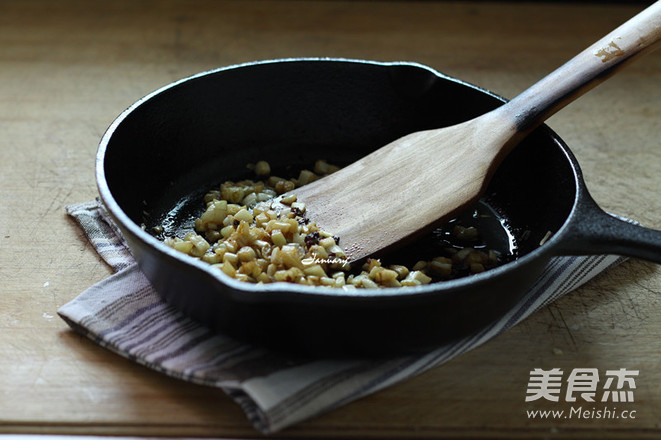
160 155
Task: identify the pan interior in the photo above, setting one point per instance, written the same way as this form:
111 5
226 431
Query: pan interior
494 232
187 139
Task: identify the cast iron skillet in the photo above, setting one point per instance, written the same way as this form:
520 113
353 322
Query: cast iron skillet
162 153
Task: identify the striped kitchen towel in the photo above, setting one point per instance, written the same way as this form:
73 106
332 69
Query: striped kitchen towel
124 314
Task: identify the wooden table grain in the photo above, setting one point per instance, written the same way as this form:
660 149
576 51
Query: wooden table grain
68 68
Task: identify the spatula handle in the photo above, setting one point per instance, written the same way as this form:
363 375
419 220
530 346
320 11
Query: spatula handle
586 70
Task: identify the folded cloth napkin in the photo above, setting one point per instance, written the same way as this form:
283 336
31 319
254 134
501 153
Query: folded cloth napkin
124 314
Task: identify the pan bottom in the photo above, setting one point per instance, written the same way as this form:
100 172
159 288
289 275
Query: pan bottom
481 229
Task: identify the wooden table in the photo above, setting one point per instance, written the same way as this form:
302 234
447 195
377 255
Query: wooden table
68 68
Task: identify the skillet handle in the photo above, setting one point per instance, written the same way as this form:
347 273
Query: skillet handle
593 231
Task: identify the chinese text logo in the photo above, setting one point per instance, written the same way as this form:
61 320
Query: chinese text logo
582 383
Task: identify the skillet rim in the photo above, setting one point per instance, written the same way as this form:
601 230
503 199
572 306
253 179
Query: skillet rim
284 291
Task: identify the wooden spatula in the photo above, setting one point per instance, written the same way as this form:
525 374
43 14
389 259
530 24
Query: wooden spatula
427 177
